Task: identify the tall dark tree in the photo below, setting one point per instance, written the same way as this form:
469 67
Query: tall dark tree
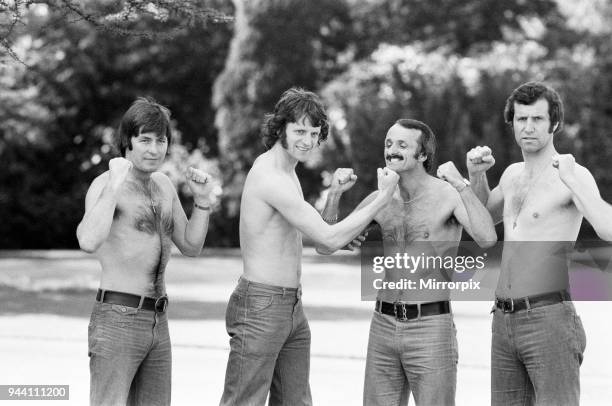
277 44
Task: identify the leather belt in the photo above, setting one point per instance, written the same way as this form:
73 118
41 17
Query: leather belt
158 305
530 302
405 311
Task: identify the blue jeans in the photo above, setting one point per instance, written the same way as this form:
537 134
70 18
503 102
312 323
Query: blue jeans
536 356
269 347
418 356
130 361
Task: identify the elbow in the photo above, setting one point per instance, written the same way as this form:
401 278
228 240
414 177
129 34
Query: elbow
605 235
322 250
88 245
333 246
487 241
191 251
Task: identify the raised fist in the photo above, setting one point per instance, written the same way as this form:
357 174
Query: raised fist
343 179
448 172
201 185
479 160
118 169
387 180
566 164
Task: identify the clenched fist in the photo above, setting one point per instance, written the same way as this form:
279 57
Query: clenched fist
342 180
566 165
201 185
387 181
118 169
479 160
448 172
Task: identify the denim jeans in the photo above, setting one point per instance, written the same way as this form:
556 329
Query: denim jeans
536 356
418 356
269 347
130 361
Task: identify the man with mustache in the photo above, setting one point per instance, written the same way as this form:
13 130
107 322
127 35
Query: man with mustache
270 336
538 339
132 216
412 345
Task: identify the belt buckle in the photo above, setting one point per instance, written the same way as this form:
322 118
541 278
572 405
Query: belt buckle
161 304
404 316
505 308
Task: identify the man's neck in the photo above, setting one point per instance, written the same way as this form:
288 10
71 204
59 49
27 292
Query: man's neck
282 158
412 182
139 176
537 161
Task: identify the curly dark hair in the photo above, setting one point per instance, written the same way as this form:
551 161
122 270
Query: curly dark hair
294 105
427 141
531 92
144 115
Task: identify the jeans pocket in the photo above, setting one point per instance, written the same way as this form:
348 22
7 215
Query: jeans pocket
579 335
257 303
121 316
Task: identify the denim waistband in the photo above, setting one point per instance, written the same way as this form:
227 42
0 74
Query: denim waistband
248 286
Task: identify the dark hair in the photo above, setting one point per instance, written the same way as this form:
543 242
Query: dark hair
427 141
144 115
294 104
531 92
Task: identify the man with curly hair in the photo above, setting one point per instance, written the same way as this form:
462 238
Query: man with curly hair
270 336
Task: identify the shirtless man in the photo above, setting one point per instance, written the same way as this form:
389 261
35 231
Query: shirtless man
132 216
412 345
270 337
538 340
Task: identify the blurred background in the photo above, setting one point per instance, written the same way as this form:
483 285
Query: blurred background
70 69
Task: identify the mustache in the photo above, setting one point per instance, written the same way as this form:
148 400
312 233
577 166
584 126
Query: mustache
391 156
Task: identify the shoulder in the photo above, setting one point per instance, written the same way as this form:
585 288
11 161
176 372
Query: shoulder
584 175
513 169
511 172
99 182
163 181
442 188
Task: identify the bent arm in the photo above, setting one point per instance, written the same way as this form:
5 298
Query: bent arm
100 204
330 211
282 195
189 235
473 215
586 197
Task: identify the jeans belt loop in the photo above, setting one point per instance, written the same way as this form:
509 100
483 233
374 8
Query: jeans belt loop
418 311
511 306
299 292
142 298
102 293
528 305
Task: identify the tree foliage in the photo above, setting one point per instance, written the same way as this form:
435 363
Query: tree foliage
58 121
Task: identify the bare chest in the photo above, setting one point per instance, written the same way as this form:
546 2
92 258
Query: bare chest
535 204
427 220
145 210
